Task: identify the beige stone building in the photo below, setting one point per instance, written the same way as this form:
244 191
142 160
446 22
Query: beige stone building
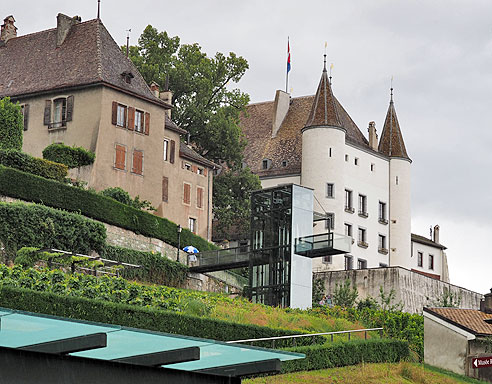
76 87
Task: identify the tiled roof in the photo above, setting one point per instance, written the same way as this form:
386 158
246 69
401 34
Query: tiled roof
173 127
323 111
256 124
391 143
187 152
33 63
470 320
425 240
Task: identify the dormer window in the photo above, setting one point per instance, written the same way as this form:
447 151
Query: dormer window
284 163
266 164
128 76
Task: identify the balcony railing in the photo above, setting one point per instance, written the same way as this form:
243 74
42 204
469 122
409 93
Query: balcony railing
323 244
362 244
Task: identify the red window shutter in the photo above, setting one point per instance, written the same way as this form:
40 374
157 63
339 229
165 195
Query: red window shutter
131 118
114 113
137 162
199 197
194 168
146 123
165 189
205 171
47 112
187 193
172 151
120 157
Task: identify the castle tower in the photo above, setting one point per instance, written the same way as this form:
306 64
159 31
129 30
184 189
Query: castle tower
323 141
392 145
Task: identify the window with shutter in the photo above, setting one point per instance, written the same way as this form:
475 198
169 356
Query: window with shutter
69 112
165 189
199 197
147 123
47 112
131 118
114 113
172 151
137 162
186 193
120 156
121 115
139 121
166 150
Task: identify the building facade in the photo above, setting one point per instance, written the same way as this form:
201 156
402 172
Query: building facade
362 186
76 87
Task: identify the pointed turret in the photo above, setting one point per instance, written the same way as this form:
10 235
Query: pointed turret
324 110
391 143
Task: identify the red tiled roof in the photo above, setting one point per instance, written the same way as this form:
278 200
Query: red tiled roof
470 320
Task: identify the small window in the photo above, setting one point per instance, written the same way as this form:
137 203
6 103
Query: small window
373 167
382 246
329 152
137 162
348 201
346 157
363 206
199 197
330 190
187 166
186 193
266 164
396 180
199 171
431 261
192 225
139 121
121 115
284 163
362 238
420 259
383 265
328 259
348 229
361 264
382 213
166 149
330 221
59 113
348 265
356 161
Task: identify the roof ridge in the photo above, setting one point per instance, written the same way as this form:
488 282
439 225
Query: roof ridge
99 51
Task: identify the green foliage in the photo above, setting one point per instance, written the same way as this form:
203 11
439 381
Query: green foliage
345 296
72 157
116 301
155 269
231 200
368 302
448 299
27 256
341 354
30 164
387 301
203 102
11 125
24 225
119 194
58 195
318 290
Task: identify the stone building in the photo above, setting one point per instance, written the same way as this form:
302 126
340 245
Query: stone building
362 186
76 87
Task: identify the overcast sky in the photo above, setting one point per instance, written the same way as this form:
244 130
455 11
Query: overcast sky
439 52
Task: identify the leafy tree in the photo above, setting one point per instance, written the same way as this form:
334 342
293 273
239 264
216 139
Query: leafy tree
11 125
345 296
124 197
387 301
204 104
231 193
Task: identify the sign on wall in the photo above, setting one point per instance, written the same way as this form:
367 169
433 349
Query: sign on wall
482 362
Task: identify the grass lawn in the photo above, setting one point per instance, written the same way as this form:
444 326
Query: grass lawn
369 374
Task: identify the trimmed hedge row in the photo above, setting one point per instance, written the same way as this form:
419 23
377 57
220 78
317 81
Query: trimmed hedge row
30 164
340 354
136 317
72 157
23 225
155 269
22 185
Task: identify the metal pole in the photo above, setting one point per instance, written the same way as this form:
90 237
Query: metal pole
179 242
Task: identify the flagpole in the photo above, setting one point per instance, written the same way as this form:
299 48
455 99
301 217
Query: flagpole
288 67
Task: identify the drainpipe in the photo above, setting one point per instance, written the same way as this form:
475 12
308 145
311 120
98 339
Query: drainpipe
209 236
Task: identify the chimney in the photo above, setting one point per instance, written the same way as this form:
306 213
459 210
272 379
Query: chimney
8 30
486 303
436 234
167 96
63 25
154 87
280 109
373 136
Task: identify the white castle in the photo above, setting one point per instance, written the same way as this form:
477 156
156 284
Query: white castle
361 187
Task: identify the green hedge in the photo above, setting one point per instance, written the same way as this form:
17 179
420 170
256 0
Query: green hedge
29 187
11 125
36 225
340 354
132 316
30 164
72 157
155 269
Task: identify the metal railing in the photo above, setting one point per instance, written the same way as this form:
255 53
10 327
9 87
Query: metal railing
294 337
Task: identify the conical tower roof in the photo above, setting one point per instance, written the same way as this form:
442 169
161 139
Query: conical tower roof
324 110
391 143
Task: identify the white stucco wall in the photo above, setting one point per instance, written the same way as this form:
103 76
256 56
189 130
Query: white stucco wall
426 251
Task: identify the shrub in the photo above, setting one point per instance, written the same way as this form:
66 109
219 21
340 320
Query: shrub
28 187
344 296
36 225
340 354
155 269
72 157
119 194
154 319
27 163
11 125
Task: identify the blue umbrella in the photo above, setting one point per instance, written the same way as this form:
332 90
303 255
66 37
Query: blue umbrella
190 249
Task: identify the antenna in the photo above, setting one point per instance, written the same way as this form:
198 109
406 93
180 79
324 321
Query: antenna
324 58
128 41
98 9
391 89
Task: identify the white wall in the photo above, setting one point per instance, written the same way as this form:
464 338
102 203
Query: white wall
426 250
276 181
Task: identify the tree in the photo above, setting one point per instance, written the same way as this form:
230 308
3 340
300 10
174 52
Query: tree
204 104
344 295
231 194
11 125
